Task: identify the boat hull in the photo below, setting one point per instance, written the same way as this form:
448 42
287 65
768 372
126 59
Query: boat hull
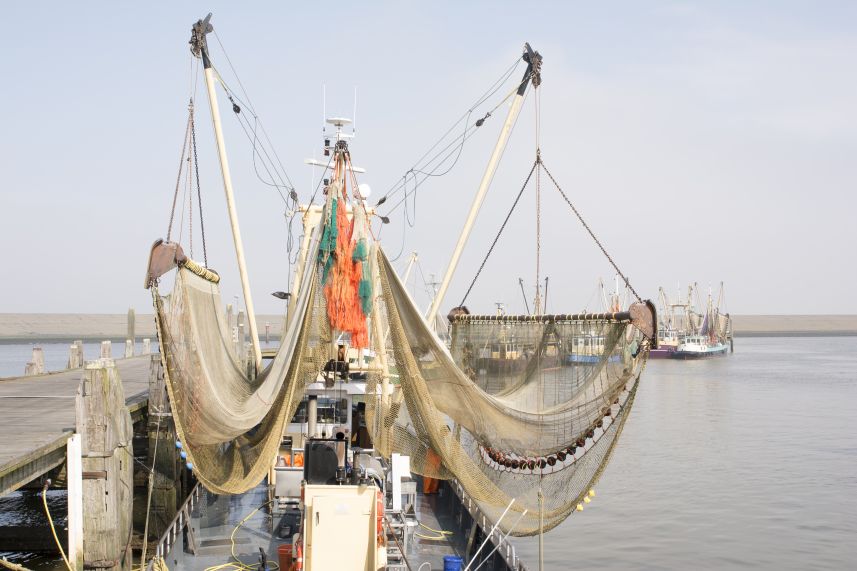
711 352
662 353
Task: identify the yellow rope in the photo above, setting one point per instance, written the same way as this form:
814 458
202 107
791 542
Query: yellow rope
440 534
53 529
201 271
13 566
237 564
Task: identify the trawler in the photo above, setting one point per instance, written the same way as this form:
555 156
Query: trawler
326 453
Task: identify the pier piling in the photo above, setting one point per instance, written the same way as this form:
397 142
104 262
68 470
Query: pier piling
162 454
131 337
75 355
106 434
36 366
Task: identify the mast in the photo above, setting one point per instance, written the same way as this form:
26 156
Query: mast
199 47
411 261
534 65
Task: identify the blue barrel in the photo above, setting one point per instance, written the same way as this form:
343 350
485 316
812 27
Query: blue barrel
452 563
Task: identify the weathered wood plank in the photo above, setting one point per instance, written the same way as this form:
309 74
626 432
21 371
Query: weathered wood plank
37 415
106 434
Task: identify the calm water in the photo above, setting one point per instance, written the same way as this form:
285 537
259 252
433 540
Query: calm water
13 357
748 461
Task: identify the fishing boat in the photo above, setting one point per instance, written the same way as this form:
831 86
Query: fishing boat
341 435
685 332
699 347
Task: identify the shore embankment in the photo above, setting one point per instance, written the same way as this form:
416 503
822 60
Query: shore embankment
794 325
28 327
31 327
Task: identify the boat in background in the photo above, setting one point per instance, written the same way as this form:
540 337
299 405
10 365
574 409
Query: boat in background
699 347
686 333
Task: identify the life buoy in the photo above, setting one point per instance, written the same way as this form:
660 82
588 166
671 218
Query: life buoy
379 507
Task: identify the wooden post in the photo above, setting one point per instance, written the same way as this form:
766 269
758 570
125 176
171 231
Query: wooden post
36 366
162 453
242 348
39 359
131 323
147 346
106 431
129 348
106 350
75 356
74 487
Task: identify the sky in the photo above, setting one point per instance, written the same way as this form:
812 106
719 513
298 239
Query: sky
702 142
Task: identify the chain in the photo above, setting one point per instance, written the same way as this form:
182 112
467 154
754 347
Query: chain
188 185
494 243
181 166
591 233
198 190
538 301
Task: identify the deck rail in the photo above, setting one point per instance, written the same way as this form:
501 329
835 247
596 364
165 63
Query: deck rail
174 530
501 544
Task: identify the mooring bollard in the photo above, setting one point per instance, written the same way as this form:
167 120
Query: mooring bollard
36 366
131 335
39 359
75 356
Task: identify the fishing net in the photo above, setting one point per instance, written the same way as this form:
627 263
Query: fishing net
229 422
535 434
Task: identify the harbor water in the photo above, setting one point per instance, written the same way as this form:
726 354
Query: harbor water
740 462
14 356
747 461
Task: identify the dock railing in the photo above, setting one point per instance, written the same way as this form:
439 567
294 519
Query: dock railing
500 544
176 527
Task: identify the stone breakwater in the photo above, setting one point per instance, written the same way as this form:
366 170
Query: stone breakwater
25 327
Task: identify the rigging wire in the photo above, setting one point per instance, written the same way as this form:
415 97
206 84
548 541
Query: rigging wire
198 189
497 237
421 167
189 193
538 302
179 175
253 111
264 152
589 230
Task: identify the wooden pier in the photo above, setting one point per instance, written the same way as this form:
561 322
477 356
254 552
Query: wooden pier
37 417
78 430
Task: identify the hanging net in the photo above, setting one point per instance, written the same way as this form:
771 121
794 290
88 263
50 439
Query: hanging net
229 422
524 411
518 405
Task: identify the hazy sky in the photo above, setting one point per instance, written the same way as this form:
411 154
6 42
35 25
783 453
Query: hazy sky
702 141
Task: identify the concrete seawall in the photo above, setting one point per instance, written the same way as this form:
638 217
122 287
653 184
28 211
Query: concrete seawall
794 325
27 327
